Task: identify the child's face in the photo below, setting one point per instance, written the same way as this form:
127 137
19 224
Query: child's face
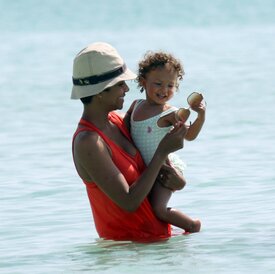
160 84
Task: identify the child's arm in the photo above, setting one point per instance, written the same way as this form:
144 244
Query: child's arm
195 128
127 116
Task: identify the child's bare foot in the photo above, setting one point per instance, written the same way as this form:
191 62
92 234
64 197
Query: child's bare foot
194 227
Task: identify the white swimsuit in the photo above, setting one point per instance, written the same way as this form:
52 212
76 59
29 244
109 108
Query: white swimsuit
147 135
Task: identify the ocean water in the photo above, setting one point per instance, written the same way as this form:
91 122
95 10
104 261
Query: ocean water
227 48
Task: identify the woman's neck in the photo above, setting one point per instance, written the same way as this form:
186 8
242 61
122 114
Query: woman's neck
98 117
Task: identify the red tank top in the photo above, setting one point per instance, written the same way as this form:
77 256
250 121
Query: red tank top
111 221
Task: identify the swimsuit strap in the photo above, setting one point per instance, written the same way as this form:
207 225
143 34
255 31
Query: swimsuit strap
164 113
88 126
137 103
118 121
168 111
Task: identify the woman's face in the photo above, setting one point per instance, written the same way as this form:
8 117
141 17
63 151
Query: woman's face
114 96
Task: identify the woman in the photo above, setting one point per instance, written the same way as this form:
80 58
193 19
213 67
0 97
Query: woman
109 164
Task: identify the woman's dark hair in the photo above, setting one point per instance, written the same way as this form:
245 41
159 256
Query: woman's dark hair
86 100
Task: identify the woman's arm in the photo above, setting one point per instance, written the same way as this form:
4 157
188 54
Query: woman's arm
93 155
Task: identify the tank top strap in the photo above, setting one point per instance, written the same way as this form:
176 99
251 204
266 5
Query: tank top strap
113 117
88 126
137 103
118 121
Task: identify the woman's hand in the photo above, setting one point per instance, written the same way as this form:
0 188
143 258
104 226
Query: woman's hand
170 178
173 140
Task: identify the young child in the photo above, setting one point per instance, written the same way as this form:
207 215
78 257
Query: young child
149 120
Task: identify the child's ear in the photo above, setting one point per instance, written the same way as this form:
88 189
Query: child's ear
143 82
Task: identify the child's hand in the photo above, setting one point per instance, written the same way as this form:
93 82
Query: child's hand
197 103
194 99
182 114
200 109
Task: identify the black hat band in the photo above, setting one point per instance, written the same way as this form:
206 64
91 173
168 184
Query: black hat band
96 79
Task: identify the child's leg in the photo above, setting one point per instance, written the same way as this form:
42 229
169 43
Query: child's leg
159 198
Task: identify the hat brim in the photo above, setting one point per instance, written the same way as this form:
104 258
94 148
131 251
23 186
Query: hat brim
90 90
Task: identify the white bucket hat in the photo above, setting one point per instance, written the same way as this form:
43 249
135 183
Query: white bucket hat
97 67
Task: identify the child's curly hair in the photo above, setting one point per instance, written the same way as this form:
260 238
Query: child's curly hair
153 60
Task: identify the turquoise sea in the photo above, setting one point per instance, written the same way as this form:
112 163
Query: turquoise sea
227 48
